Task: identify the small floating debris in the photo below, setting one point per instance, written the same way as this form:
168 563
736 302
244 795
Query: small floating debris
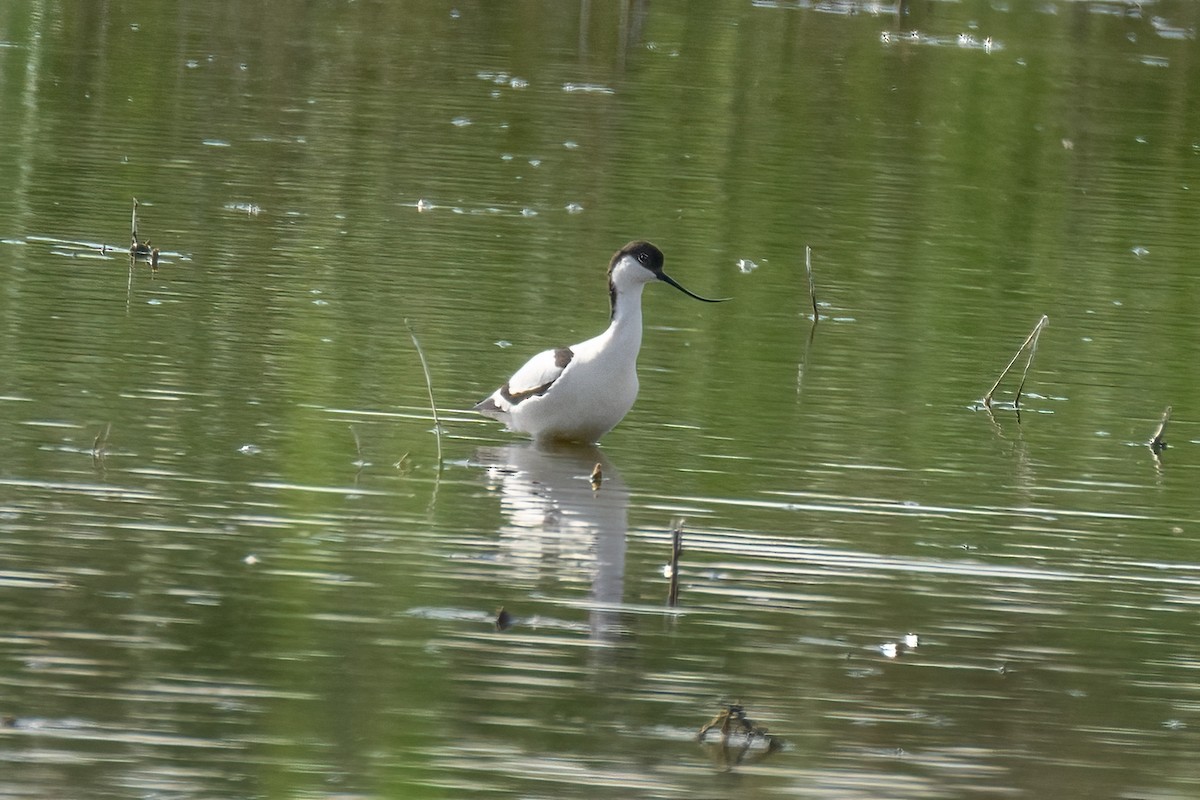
895 649
597 477
503 79
593 88
746 266
739 737
964 40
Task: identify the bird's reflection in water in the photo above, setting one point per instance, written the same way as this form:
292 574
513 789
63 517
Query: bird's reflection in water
557 526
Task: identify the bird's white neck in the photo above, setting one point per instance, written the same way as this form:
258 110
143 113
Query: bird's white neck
627 314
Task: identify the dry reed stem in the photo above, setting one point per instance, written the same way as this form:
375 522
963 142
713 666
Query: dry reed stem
1157 442
437 423
676 549
1031 343
812 284
100 443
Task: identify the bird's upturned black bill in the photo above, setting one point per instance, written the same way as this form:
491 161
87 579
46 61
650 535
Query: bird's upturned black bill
662 276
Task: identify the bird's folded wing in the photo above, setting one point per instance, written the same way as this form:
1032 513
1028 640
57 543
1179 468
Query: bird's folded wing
538 375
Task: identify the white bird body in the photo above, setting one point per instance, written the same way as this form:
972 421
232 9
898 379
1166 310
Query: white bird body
579 393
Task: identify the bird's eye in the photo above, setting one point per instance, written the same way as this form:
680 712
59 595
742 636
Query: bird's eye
644 258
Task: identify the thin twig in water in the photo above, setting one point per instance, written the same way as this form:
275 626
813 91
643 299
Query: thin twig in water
812 284
673 567
1030 342
437 423
1157 442
100 443
139 249
1029 361
357 446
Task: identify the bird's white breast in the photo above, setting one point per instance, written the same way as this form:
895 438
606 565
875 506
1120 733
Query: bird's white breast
593 394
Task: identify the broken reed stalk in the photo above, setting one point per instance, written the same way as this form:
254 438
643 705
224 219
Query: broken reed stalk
1031 343
139 249
676 549
357 445
437 423
812 284
1157 442
100 443
1032 352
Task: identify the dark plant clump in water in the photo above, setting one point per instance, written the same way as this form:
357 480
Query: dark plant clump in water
735 726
